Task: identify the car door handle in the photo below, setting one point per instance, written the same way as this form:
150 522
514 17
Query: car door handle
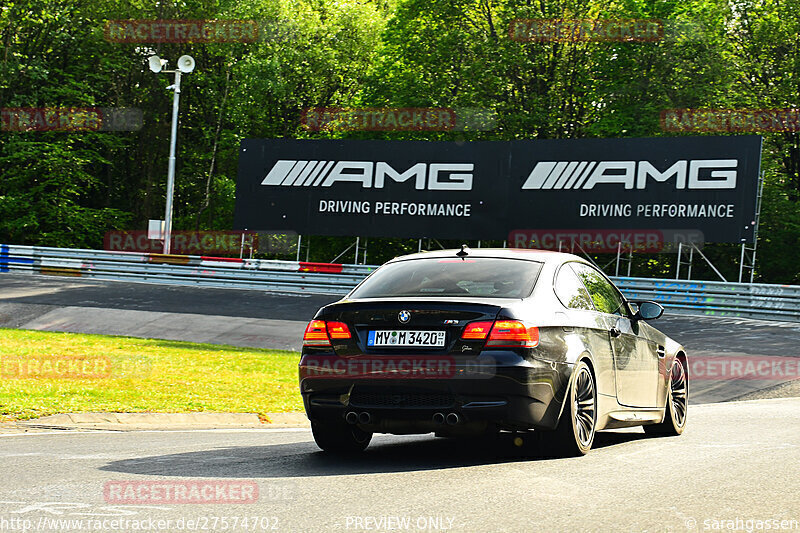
615 332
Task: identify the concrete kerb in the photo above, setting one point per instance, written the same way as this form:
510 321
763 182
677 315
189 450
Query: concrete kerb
166 421
207 420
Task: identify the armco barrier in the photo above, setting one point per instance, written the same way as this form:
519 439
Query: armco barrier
717 298
282 276
762 301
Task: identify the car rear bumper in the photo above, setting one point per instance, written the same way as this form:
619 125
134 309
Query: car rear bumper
514 393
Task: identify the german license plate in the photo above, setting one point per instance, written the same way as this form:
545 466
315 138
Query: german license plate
406 338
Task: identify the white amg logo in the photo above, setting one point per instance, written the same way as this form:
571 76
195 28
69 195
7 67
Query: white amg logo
434 176
631 174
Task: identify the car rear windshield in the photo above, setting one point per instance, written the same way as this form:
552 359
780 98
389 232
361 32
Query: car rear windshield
484 277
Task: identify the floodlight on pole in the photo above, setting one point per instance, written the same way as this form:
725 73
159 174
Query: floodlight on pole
186 65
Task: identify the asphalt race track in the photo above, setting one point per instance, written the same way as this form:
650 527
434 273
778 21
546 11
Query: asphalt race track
221 316
270 320
736 461
734 469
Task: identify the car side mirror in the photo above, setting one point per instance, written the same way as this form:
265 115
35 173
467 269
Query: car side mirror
649 311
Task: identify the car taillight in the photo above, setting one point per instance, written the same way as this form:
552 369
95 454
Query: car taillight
477 330
320 333
338 330
316 334
513 334
504 334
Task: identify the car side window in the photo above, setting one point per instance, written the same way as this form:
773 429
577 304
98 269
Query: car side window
570 291
606 298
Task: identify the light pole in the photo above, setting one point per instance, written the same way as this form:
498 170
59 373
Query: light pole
185 66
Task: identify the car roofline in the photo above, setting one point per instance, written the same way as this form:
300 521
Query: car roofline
540 256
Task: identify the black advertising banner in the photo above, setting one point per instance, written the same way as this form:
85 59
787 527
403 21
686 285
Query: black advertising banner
516 190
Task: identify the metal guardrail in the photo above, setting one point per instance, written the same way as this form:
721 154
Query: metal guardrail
280 276
762 301
717 298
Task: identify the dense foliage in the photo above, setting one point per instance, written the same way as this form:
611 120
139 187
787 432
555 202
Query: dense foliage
69 188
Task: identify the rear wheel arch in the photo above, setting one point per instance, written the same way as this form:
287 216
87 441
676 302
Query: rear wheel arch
676 408
585 357
682 356
573 436
679 356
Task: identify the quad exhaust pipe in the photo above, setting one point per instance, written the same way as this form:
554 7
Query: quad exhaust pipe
451 418
358 418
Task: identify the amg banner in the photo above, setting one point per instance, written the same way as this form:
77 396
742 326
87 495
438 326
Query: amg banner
516 190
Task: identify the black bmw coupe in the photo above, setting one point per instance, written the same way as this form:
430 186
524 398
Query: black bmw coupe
468 343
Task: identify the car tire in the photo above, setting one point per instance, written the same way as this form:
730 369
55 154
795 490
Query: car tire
677 403
339 437
576 428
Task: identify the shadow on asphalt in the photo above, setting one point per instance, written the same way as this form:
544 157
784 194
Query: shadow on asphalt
304 459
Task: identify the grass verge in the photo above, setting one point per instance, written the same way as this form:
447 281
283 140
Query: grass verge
43 373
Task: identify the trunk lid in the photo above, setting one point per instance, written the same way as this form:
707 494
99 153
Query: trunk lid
429 316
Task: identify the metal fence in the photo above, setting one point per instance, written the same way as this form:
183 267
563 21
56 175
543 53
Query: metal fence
763 301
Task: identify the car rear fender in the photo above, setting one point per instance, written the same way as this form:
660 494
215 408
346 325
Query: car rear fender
569 345
562 395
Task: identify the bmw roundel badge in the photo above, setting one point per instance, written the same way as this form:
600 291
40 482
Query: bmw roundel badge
404 316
